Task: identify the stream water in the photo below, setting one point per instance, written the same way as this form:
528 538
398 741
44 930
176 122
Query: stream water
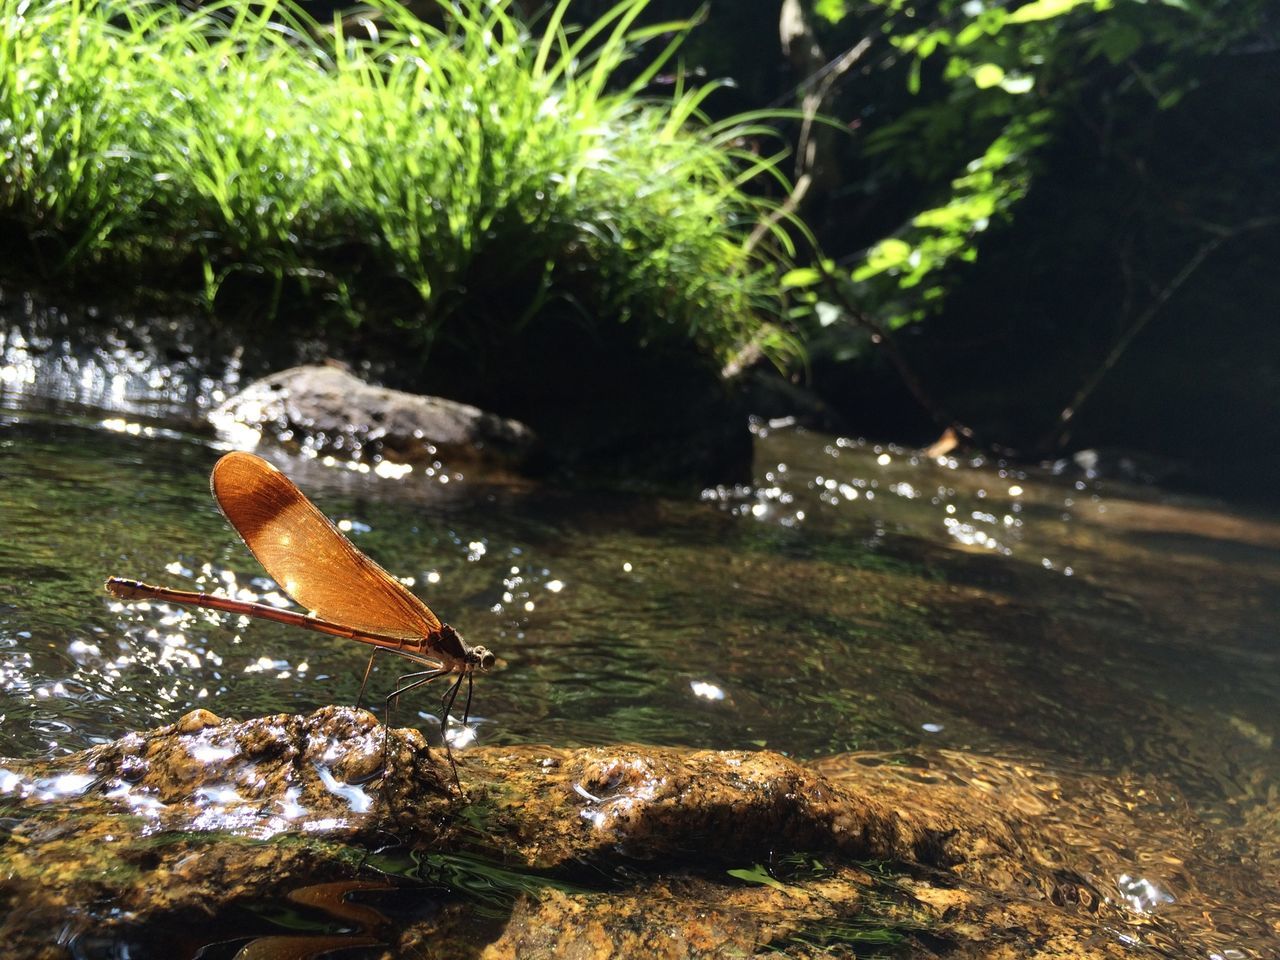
855 596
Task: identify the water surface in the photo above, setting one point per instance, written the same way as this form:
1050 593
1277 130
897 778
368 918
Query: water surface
856 597
853 597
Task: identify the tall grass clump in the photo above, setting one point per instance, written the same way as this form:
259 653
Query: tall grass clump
481 170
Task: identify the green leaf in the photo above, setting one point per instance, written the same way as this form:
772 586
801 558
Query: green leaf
800 277
1017 85
1044 10
757 874
974 31
987 75
832 11
1119 41
885 255
891 251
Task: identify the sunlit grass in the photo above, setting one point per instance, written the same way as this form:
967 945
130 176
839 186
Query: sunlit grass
332 161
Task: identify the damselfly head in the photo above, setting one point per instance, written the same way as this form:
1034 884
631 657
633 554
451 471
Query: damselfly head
450 642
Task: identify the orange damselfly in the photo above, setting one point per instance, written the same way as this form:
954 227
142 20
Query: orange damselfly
345 593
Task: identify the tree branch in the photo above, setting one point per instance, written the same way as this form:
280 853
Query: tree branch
1056 437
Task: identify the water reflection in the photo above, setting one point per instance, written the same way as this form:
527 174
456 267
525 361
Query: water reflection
135 368
1141 895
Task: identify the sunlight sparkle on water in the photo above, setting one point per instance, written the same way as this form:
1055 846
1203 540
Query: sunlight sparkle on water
267 665
290 808
460 737
392 471
275 598
971 536
18 372
356 797
1140 894
210 753
582 791
119 425
14 673
10 782
981 505
219 795
705 690
238 435
138 802
80 649
64 785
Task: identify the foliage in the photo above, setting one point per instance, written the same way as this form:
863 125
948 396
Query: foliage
193 149
992 84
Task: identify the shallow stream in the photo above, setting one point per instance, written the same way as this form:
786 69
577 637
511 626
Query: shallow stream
854 597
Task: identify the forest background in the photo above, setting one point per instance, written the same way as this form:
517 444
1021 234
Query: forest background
1047 225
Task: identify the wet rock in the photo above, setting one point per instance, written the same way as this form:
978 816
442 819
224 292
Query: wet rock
332 411
550 807
167 841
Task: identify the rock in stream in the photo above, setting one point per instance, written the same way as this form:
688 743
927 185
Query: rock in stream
330 410
290 836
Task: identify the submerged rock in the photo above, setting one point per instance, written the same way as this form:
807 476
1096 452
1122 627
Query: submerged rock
165 842
332 411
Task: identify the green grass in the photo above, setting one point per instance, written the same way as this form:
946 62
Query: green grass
481 171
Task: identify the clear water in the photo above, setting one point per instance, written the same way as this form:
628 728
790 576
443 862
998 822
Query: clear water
851 599
854 597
